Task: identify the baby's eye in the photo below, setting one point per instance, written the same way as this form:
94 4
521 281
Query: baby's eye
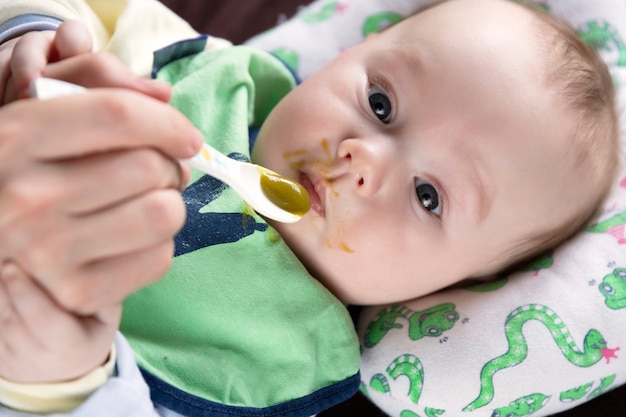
380 103
428 197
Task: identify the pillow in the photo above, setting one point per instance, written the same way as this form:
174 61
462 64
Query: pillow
543 339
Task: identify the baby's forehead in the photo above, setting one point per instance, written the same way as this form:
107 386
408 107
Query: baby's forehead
476 17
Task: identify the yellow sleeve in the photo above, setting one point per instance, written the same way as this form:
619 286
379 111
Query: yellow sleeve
144 26
58 397
61 9
130 29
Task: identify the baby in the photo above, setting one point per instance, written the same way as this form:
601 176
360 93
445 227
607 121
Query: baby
424 147
458 143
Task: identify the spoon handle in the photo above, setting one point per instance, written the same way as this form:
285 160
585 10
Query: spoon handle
212 162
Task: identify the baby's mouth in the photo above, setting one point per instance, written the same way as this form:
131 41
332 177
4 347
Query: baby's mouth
316 200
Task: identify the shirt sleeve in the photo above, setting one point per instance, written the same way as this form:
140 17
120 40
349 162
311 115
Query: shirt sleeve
131 30
19 25
125 395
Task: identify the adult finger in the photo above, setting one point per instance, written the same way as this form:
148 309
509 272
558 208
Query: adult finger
54 245
104 69
108 281
48 329
103 180
47 323
30 57
100 120
72 38
7 89
127 227
29 302
14 337
14 333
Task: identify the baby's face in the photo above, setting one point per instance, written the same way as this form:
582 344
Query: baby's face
429 152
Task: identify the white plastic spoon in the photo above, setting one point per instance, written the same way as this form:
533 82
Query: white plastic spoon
267 192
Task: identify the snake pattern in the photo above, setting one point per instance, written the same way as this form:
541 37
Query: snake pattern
404 365
594 347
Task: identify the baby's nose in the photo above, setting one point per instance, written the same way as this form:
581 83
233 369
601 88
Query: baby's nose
365 165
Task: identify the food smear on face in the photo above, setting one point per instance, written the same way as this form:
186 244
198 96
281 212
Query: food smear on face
322 165
295 158
341 245
284 192
326 148
337 241
294 154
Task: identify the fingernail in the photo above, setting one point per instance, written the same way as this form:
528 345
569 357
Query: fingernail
195 139
154 88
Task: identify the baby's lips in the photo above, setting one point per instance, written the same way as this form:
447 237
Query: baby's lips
316 201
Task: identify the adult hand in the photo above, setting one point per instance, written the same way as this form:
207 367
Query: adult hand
41 342
89 192
65 54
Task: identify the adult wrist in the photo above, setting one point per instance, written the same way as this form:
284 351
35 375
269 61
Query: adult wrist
56 397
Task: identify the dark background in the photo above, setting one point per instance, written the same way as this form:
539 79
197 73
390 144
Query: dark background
238 20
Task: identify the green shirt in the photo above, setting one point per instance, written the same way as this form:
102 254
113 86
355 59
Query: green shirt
237 320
